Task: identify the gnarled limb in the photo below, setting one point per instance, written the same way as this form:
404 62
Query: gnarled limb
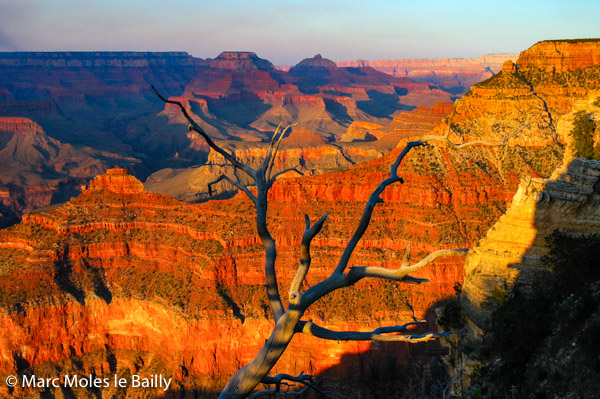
398 333
359 272
304 379
275 148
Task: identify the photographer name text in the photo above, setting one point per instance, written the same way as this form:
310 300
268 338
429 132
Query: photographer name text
91 381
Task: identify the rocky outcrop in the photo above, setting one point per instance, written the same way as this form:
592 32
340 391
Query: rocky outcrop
362 131
509 262
37 171
512 251
556 56
240 60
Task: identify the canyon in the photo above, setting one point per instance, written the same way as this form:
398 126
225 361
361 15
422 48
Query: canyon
121 280
103 101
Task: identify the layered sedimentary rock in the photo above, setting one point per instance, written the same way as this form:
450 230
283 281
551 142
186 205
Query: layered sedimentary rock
243 90
124 255
451 73
126 281
512 251
187 271
556 56
543 79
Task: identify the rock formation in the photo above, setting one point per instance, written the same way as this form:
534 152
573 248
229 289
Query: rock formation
128 281
37 171
509 262
456 74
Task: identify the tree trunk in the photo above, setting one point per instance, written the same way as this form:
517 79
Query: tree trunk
248 377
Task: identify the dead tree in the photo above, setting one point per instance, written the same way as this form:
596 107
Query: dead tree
288 322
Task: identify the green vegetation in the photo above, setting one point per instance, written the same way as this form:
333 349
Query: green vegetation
544 341
583 136
596 103
451 318
583 77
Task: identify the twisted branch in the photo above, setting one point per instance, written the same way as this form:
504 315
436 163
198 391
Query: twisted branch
276 149
357 273
304 379
398 333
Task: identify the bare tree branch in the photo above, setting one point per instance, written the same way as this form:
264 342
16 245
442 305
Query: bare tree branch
337 279
269 153
304 379
399 333
375 198
307 237
276 148
359 272
194 126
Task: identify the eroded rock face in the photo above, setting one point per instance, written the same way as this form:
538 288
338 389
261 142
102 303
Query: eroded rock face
120 276
555 56
103 100
509 260
191 270
512 250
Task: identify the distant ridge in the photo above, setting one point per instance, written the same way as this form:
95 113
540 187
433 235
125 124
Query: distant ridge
451 73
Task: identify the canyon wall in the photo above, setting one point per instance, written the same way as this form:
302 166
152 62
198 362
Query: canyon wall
457 74
37 170
120 280
511 264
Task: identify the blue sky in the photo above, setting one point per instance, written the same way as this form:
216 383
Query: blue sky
285 32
